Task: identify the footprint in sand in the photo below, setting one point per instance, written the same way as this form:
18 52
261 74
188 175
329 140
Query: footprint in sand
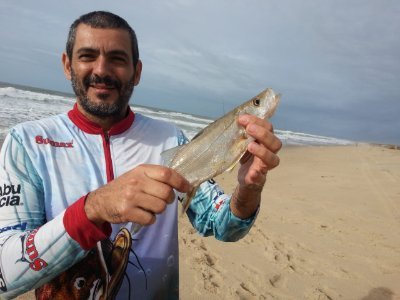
277 253
206 265
275 281
211 277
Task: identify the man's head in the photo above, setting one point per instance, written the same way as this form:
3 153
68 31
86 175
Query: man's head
102 61
105 20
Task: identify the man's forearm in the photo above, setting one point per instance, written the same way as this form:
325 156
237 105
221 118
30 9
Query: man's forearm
244 202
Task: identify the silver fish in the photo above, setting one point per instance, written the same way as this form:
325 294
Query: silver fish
220 145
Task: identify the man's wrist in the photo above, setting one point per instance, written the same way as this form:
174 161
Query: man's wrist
91 212
245 201
85 232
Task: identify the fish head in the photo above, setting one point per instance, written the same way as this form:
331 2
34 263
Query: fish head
263 105
97 276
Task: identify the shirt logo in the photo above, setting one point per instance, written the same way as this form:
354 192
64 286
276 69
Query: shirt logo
46 141
10 195
21 226
36 263
218 202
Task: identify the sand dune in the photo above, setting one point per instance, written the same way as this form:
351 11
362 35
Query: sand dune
329 228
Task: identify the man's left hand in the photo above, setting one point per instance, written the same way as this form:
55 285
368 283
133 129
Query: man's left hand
261 156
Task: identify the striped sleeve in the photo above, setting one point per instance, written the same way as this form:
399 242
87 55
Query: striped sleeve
32 249
210 213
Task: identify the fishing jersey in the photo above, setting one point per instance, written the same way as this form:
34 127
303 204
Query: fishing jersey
47 168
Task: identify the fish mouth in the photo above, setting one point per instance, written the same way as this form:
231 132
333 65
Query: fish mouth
97 291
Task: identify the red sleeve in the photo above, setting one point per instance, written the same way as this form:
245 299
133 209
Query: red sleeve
81 229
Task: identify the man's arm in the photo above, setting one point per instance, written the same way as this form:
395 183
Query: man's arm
230 218
32 250
210 214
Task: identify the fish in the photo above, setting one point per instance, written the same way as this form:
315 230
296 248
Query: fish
219 146
98 276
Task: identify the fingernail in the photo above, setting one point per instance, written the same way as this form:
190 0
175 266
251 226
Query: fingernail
251 128
251 147
244 119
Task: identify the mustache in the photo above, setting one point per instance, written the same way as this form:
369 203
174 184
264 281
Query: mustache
107 80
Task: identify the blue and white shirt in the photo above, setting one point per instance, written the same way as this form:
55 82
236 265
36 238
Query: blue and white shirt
47 167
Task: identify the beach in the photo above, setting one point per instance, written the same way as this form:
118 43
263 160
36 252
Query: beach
328 228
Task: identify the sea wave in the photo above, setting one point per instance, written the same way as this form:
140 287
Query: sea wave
20 105
18 94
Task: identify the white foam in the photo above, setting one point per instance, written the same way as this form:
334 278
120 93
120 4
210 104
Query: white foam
11 92
298 138
21 105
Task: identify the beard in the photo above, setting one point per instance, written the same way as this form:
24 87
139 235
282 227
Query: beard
104 109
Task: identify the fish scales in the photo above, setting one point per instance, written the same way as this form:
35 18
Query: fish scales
220 145
208 157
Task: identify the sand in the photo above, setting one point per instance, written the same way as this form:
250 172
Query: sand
328 228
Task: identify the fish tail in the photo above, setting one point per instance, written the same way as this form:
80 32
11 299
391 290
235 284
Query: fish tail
188 199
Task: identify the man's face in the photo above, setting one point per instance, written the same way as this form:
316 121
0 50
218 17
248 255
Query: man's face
101 70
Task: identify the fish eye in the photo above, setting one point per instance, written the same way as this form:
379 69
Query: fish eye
256 102
79 283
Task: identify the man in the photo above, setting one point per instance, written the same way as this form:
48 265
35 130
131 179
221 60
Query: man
70 181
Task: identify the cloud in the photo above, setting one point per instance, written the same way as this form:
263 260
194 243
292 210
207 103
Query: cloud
336 63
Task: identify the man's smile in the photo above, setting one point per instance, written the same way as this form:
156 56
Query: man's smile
102 88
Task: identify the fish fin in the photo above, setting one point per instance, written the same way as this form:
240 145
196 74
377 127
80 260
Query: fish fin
232 166
188 199
197 134
169 155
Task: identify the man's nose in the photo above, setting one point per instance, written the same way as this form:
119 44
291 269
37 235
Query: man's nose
101 66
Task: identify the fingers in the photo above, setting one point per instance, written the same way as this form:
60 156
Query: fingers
169 177
155 189
158 190
269 159
265 136
142 193
267 143
143 217
262 131
141 209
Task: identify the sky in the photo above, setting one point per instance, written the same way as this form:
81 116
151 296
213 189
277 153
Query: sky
336 63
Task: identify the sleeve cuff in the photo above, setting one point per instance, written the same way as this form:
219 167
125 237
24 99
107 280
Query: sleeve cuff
250 220
230 228
81 229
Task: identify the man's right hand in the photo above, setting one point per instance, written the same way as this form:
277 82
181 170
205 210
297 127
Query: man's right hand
136 196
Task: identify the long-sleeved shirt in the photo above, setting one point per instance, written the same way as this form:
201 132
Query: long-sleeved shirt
48 166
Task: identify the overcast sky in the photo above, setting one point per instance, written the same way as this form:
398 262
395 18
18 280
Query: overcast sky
336 63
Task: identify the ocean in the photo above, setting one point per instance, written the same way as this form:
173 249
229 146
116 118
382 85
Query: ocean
20 103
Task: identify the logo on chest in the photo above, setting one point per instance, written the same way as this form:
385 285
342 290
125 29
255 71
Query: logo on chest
46 141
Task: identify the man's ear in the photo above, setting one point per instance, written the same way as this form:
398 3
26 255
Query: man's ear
66 65
138 72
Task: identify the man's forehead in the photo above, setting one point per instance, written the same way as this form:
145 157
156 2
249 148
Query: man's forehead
110 38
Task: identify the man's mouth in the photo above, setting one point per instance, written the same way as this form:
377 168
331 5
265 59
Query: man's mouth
102 88
101 85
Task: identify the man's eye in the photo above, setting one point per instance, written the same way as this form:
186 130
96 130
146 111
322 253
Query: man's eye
119 59
86 57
